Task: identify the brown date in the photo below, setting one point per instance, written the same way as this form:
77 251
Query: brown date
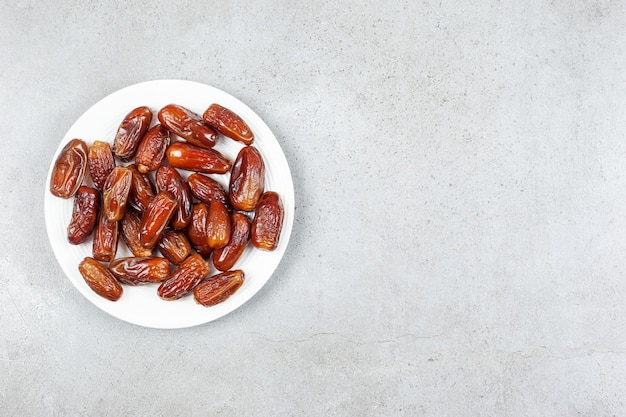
182 281
100 279
170 181
268 221
84 214
101 162
115 192
140 270
188 125
228 123
130 132
105 238
192 158
152 148
216 289
130 225
247 179
69 169
141 189
197 229
155 219
206 189
174 246
218 226
225 258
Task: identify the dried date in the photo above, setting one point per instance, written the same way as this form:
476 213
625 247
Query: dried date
228 123
216 289
140 270
188 125
115 192
174 246
69 169
141 189
218 226
155 219
101 163
225 258
130 225
206 189
152 148
182 281
105 238
84 214
170 181
247 179
268 221
100 279
131 131
193 158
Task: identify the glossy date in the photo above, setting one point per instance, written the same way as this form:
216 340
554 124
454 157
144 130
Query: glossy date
268 221
192 158
84 214
170 181
69 169
115 192
247 179
225 258
216 289
101 163
174 246
155 219
188 125
228 123
182 281
100 279
152 148
131 131
140 270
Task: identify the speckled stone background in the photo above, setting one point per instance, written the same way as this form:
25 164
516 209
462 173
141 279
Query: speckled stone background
459 247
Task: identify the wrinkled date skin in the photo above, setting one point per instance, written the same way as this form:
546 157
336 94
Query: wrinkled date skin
197 230
100 279
155 219
188 125
247 179
101 163
131 131
182 281
130 225
192 158
152 148
140 270
141 190
218 226
105 238
174 246
206 189
84 214
216 289
170 181
225 258
69 169
228 123
268 221
115 192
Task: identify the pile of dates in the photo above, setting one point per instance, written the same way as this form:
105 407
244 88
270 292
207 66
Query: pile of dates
193 222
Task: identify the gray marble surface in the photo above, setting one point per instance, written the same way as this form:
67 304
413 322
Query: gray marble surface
460 233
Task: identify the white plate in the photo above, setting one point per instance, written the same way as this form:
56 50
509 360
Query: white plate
140 305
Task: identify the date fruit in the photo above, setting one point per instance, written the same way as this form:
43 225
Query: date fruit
69 169
192 158
152 148
84 214
101 163
228 123
140 270
247 179
216 289
174 246
268 221
130 225
115 192
130 132
100 279
105 238
225 258
206 189
141 190
182 281
197 230
188 125
170 181
218 225
155 219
